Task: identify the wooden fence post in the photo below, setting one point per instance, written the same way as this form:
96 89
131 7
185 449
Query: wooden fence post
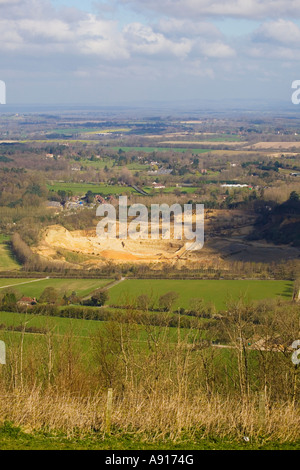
108 410
2 353
262 409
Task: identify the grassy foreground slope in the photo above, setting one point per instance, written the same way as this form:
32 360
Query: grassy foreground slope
12 438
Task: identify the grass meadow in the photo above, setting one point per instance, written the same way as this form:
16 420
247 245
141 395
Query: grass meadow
218 292
7 261
79 189
34 287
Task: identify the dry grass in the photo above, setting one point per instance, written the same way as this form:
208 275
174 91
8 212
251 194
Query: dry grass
275 145
162 388
281 193
158 416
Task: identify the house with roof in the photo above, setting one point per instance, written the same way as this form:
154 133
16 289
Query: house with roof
27 301
158 186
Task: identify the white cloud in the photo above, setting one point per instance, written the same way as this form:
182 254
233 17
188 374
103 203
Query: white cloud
217 50
175 48
88 36
187 28
33 9
9 2
143 40
272 53
281 31
104 39
275 41
101 38
54 30
231 8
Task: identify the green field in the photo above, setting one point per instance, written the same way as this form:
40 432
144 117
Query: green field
79 189
58 325
7 262
26 287
160 149
219 292
171 189
82 331
87 130
15 438
109 163
82 188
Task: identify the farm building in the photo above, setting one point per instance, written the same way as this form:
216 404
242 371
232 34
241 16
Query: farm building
54 205
99 199
158 186
26 301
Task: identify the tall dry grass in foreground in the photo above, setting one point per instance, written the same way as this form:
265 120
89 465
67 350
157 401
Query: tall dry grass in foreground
166 385
155 416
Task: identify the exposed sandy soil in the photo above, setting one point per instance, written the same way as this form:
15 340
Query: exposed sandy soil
87 243
274 145
225 241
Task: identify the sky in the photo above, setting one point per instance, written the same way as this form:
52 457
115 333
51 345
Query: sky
110 52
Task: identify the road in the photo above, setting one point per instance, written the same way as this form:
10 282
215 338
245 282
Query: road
27 282
107 287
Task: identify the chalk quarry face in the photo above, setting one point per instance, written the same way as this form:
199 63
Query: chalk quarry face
83 249
136 223
149 242
57 242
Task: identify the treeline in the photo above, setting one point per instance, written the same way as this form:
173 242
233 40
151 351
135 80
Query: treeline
288 270
20 329
281 223
105 315
32 261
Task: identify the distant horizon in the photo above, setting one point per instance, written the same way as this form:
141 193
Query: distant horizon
188 106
